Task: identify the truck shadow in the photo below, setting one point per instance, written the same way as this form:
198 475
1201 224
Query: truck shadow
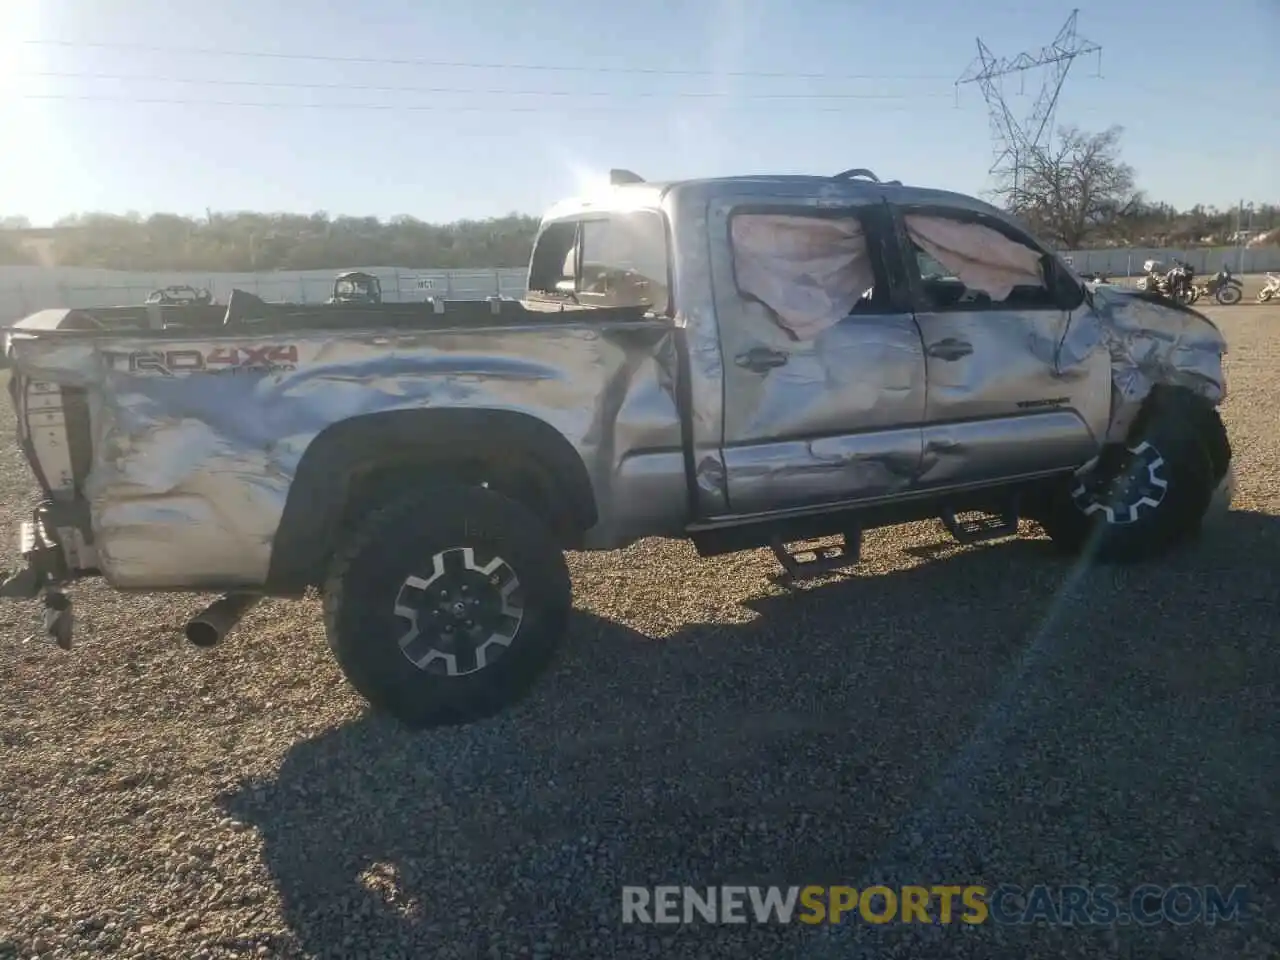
784 750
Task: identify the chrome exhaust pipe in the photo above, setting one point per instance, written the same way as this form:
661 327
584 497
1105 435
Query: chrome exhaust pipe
209 627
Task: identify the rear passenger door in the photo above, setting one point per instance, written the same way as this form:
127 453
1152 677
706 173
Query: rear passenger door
824 373
992 311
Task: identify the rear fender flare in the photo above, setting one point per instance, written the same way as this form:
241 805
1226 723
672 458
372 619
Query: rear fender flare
344 452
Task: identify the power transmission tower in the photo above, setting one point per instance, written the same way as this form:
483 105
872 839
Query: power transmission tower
1015 141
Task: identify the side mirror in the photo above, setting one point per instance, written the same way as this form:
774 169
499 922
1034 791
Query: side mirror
1068 293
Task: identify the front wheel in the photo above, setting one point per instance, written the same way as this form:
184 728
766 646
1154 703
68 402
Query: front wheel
1228 295
1265 295
446 605
1140 499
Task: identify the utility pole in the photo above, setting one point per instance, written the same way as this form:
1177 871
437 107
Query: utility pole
1240 237
1016 141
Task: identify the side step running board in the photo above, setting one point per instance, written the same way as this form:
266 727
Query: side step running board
824 559
982 527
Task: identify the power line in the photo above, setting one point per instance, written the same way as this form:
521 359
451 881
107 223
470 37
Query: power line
417 62
1015 141
646 94
430 108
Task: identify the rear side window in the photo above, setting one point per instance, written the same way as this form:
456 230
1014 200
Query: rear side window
810 271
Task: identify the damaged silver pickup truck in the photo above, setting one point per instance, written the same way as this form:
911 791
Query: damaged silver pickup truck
746 362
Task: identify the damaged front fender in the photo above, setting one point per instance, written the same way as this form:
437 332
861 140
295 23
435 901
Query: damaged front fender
1151 341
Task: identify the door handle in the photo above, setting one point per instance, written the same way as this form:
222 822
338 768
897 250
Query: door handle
950 349
761 359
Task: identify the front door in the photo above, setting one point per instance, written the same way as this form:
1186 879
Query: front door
1001 402
824 372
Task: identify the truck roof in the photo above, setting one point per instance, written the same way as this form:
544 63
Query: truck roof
646 194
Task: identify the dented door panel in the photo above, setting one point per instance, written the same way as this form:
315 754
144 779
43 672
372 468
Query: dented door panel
1001 401
831 419
1004 399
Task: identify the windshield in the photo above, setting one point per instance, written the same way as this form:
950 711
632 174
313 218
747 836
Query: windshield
618 259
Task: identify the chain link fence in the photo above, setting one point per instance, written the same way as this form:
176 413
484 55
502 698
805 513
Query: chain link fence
24 290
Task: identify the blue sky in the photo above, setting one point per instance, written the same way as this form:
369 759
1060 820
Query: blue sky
484 138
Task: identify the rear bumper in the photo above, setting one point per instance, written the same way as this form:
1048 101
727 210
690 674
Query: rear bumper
54 546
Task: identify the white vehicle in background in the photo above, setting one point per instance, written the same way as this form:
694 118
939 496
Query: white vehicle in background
1270 289
180 295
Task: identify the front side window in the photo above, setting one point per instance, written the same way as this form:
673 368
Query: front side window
964 264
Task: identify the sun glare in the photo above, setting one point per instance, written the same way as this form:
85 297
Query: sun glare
589 182
17 56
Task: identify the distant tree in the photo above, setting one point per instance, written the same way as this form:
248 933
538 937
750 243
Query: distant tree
259 241
1076 195
14 253
1076 187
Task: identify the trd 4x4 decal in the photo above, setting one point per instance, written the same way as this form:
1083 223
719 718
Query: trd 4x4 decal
261 358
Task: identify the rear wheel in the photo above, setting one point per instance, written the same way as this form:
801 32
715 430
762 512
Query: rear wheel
1142 498
1264 296
447 605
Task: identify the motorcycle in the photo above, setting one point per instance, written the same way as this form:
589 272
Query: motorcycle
1176 283
1222 286
1270 289
1180 282
1152 278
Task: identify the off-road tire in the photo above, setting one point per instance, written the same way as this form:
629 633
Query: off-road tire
1188 447
1229 295
1213 434
368 577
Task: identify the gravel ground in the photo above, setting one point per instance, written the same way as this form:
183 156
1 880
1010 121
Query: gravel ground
941 716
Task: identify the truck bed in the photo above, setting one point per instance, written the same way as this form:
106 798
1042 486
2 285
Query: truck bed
172 453
246 310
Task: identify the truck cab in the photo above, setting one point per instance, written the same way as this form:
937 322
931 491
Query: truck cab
850 343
